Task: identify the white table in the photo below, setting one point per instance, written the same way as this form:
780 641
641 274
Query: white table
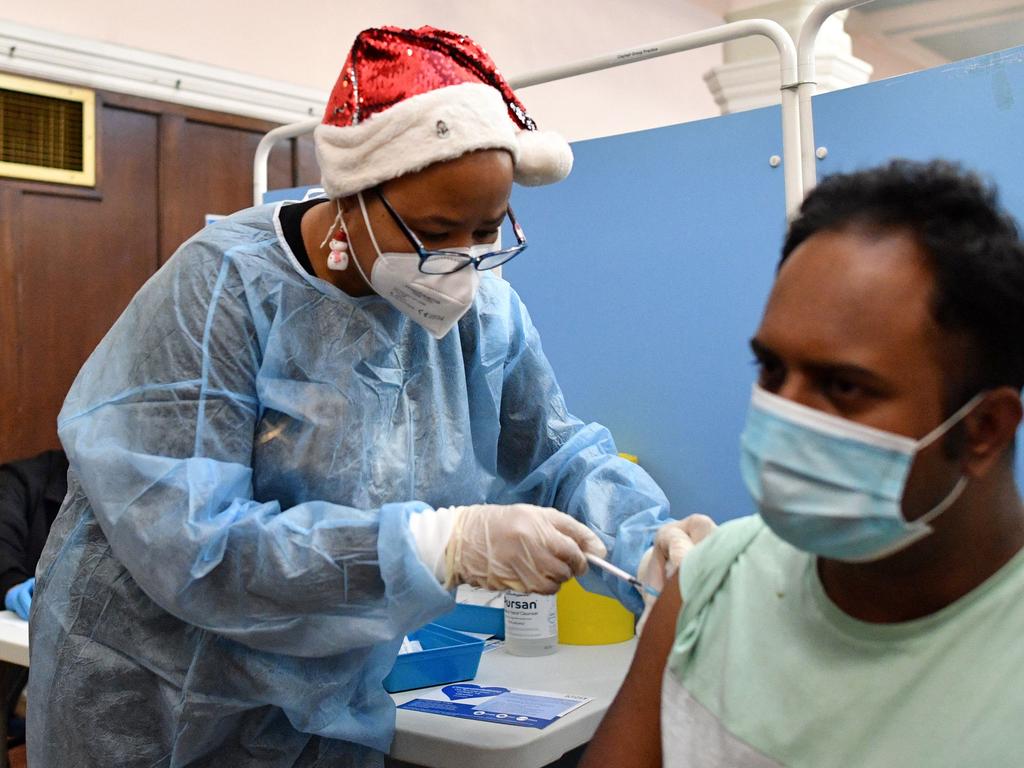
440 742
13 639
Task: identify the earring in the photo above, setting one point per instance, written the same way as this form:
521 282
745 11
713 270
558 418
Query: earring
338 260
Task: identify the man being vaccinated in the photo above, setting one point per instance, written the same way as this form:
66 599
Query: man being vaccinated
871 614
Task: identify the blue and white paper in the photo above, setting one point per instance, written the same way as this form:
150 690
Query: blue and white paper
496 704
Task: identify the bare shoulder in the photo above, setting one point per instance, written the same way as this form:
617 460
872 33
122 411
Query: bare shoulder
630 734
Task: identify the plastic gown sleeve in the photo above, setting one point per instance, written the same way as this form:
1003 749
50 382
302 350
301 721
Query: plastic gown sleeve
548 457
159 426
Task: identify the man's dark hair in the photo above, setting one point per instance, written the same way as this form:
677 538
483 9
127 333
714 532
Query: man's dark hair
973 248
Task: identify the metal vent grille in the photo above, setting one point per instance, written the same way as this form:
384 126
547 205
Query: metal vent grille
46 131
40 130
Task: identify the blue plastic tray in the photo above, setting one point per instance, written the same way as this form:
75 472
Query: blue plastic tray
475 618
447 657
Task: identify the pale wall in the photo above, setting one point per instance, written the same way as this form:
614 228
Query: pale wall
886 58
305 43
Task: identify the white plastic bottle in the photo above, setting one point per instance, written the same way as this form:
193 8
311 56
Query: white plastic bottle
531 624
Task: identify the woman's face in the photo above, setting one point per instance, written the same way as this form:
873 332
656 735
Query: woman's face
452 204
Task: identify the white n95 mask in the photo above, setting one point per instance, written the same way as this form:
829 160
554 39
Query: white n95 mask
435 302
831 486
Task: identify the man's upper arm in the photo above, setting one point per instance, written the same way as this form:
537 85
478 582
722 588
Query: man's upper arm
629 736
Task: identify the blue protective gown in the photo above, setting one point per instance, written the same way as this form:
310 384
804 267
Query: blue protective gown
232 571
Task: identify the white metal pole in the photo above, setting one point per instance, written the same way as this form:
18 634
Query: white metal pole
808 82
720 34
262 156
690 41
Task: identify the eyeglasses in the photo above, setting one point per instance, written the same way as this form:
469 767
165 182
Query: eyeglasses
446 262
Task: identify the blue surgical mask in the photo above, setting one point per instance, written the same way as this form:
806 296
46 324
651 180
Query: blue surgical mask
831 486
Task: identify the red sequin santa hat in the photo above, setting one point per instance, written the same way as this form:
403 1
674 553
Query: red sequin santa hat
408 98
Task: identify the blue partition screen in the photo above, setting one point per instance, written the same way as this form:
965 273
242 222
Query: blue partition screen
648 268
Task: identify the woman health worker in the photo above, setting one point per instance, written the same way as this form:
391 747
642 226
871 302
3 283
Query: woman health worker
305 428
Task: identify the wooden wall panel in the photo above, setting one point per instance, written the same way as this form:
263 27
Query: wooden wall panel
172 184
211 166
12 420
306 169
80 261
72 258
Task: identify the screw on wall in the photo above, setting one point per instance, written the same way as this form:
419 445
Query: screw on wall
821 153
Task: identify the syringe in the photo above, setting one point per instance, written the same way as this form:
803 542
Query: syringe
614 570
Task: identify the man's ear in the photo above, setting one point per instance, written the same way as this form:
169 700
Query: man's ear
989 430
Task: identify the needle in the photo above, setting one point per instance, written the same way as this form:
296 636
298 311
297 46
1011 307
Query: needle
614 570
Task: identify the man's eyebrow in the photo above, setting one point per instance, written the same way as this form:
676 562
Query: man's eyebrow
848 369
764 352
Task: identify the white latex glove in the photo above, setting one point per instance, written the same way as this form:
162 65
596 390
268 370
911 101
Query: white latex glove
519 547
671 544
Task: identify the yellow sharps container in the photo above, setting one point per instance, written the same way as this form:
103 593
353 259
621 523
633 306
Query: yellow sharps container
588 619
585 618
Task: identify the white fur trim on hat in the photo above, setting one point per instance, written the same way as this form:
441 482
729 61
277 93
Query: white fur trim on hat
428 128
441 124
544 158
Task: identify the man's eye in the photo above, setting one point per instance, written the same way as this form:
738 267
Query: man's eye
842 388
485 235
769 374
433 237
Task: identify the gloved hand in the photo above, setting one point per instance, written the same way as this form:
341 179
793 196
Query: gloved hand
671 544
519 547
19 598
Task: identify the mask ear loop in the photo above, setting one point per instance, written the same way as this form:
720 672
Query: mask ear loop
920 527
945 504
930 438
949 423
369 230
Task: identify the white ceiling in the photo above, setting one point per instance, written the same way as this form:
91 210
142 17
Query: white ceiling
933 32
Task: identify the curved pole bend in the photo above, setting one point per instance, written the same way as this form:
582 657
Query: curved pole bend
808 82
262 156
732 31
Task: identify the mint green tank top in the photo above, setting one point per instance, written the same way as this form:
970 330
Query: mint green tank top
766 670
